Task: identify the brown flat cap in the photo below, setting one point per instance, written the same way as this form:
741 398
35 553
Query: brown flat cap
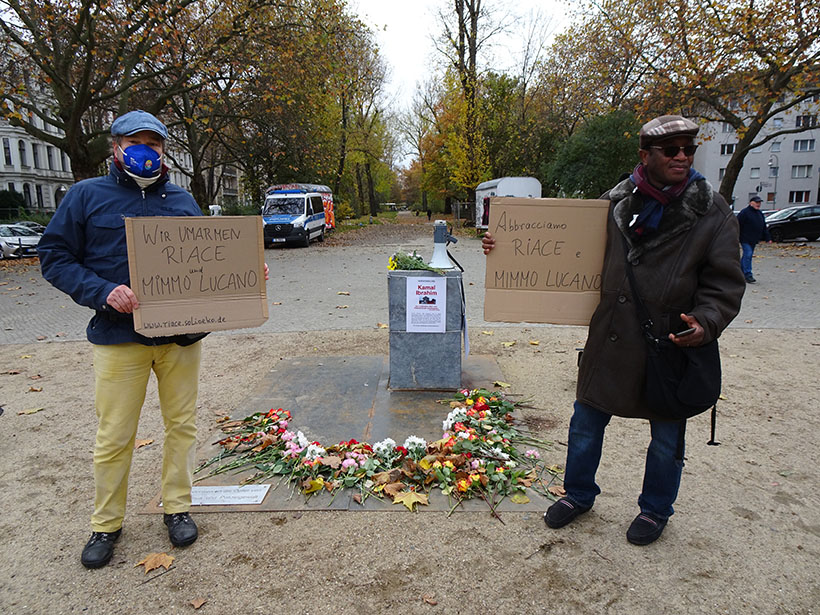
664 127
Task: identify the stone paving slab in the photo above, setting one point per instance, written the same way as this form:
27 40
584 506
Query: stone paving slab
337 398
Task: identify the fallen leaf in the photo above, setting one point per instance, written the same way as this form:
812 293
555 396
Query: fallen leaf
557 490
276 303
25 356
332 461
313 485
343 292
40 338
381 325
341 307
30 411
141 443
519 498
393 489
503 385
430 599
357 497
410 499
156 560
13 372
508 344
749 321
534 342
35 377
488 332
197 602
792 271
35 389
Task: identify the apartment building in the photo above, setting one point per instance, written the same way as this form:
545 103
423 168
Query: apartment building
783 172
37 170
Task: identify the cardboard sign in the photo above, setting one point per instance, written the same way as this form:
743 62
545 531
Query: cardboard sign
196 274
547 261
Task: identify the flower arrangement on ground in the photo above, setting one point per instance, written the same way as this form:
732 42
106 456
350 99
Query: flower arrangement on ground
478 456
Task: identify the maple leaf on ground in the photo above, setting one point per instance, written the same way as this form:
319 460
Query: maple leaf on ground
156 560
557 490
332 461
393 489
410 499
313 485
430 599
141 443
197 602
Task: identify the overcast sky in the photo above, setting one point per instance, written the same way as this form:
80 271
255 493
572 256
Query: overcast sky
404 29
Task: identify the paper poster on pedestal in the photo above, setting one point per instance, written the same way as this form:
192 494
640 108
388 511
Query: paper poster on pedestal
426 305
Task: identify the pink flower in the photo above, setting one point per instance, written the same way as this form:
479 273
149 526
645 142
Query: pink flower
349 463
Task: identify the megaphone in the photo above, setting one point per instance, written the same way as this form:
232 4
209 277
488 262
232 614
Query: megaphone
440 259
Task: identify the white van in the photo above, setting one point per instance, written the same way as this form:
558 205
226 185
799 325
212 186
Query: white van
293 216
527 187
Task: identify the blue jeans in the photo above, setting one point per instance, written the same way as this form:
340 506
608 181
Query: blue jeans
746 259
662 474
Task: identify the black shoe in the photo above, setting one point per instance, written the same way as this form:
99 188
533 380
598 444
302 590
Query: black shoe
99 549
750 280
562 512
645 528
181 529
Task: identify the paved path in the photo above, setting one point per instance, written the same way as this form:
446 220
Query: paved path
305 282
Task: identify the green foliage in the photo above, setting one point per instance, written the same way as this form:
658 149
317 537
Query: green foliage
592 160
12 205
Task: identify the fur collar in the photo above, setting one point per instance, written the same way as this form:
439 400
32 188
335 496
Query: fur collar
678 217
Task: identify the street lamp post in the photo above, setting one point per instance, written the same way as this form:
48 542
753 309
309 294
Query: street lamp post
774 170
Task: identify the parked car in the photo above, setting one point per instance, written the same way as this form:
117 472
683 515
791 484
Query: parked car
795 222
34 226
17 241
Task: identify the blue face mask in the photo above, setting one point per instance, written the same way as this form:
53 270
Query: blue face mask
141 160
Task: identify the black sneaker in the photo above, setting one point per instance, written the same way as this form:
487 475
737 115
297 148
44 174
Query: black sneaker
99 549
181 529
750 280
562 512
646 528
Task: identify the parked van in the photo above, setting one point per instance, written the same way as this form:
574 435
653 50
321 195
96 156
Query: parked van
293 216
527 187
327 198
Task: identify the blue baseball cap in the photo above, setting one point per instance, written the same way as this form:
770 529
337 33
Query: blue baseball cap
136 121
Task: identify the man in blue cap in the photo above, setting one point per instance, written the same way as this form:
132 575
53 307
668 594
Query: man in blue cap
752 229
83 253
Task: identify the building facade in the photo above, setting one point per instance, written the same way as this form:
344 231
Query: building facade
784 171
37 170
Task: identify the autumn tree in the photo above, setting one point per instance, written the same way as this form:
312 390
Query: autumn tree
742 63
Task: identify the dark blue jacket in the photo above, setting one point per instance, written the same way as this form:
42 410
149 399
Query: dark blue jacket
83 251
752 226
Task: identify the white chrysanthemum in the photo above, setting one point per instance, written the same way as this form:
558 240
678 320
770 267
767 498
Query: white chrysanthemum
385 447
303 441
499 454
459 414
314 451
414 442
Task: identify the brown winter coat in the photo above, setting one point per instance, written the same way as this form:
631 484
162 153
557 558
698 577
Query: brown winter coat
690 265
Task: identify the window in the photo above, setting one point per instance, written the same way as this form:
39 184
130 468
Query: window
21 148
11 187
50 157
775 146
754 172
799 196
727 149
804 145
27 194
770 197
757 150
35 155
64 160
7 151
806 121
777 122
721 173
39 191
773 171
800 171
727 127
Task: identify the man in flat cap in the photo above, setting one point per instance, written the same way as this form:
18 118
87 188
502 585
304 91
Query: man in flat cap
680 237
752 229
83 253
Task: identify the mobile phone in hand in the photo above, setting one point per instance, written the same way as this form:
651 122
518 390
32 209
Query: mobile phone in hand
685 332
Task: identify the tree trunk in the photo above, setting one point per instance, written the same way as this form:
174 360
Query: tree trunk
359 189
371 194
337 182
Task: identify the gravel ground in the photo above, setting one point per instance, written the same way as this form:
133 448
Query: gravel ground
745 539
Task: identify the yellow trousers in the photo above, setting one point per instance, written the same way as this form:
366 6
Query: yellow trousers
122 372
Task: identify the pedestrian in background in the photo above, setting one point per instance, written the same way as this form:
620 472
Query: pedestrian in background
752 230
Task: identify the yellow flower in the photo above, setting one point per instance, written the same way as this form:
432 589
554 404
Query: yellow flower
469 401
437 464
449 464
462 485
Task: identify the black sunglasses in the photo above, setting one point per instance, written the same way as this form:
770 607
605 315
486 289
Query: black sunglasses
670 151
